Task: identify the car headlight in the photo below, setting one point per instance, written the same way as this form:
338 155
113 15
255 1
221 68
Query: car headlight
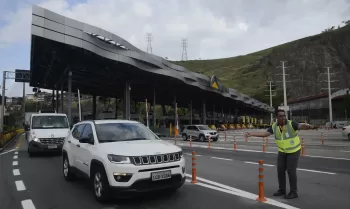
118 159
35 138
181 154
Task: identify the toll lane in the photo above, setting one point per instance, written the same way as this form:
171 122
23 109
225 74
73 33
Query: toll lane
316 190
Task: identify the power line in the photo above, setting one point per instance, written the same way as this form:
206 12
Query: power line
284 85
184 49
149 38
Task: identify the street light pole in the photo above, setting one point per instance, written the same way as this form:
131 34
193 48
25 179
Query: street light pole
2 115
329 96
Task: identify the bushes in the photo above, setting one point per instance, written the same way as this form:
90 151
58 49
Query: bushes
6 136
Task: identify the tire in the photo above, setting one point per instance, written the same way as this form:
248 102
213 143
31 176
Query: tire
66 168
215 139
100 185
202 138
184 137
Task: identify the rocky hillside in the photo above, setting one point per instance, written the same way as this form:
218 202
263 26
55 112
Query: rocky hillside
306 61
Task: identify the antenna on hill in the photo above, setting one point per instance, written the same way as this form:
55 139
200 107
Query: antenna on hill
149 38
284 86
272 93
184 49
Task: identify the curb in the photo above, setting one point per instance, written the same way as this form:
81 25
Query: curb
4 147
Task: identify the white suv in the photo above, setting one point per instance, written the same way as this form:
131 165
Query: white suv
122 157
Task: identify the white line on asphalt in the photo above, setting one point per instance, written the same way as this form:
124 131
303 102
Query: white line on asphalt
16 153
219 158
15 163
15 157
301 169
238 192
27 204
20 185
16 172
191 154
258 163
7 152
334 158
344 151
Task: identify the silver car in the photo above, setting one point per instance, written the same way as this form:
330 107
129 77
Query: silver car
199 132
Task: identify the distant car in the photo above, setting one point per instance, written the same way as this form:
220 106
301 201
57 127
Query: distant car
346 132
121 156
199 132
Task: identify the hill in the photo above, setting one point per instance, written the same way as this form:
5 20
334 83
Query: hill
306 59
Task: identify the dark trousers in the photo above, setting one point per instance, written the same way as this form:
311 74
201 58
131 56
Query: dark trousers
287 162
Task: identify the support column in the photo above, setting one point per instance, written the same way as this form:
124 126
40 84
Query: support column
214 115
126 101
94 107
191 113
53 99
204 117
70 97
116 108
57 98
175 108
154 115
62 102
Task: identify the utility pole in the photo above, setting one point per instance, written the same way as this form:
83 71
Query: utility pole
329 81
149 38
184 49
284 86
271 95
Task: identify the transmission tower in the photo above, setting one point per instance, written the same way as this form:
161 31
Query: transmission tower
329 81
149 38
272 93
184 49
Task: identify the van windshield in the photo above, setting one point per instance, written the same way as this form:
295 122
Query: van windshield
49 122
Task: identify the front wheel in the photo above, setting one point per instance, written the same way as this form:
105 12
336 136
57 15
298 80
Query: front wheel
100 184
184 137
202 138
67 172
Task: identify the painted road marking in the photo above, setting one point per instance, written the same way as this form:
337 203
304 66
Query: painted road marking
27 204
191 154
258 163
219 158
238 192
15 157
16 172
20 185
3 153
334 158
301 169
16 153
14 163
344 151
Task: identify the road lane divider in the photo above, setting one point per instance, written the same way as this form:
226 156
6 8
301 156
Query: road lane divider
190 154
27 204
322 138
248 162
20 185
264 145
194 170
14 163
219 158
234 143
209 144
302 147
15 157
16 172
4 153
190 141
234 191
315 171
261 189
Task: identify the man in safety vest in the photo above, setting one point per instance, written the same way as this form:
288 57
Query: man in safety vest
289 146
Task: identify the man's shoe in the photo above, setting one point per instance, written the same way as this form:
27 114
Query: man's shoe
279 193
291 195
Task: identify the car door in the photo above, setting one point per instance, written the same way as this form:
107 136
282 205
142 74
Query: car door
191 132
84 156
73 142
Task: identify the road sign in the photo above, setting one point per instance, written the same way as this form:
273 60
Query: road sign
22 76
285 108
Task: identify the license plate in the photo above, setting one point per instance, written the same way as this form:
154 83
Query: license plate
52 146
156 176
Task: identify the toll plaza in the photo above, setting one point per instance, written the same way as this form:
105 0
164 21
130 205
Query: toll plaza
68 55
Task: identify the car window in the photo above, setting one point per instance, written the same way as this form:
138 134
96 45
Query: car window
78 130
203 127
88 132
113 132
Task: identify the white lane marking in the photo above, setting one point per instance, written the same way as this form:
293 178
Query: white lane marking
301 169
191 154
344 151
334 158
20 185
238 192
7 152
16 153
15 157
258 163
16 172
219 158
27 204
14 163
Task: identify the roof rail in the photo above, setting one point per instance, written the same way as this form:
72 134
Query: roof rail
47 111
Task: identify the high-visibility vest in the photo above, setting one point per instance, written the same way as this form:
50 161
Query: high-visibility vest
288 141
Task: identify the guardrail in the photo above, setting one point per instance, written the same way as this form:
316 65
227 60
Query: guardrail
6 136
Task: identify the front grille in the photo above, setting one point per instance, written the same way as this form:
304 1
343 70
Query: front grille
51 140
156 159
212 133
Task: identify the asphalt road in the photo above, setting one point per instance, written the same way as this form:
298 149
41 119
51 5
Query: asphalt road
227 179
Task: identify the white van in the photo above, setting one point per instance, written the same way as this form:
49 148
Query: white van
46 132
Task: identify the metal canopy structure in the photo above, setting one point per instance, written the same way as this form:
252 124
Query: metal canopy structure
102 63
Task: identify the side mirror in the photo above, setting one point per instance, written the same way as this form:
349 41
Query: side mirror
86 140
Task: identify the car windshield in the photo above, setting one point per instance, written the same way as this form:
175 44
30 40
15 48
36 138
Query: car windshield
49 122
203 127
114 132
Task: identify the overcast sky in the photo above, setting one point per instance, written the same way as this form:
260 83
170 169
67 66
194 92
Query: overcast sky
214 28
